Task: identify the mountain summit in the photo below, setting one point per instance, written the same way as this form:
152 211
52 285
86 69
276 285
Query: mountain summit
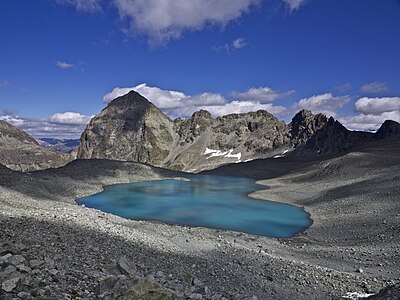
129 128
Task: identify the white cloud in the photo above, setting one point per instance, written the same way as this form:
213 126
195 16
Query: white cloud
262 94
165 99
13 120
239 43
5 84
163 20
369 122
178 104
236 44
373 112
325 103
82 5
57 126
375 87
377 105
63 65
294 5
237 107
70 118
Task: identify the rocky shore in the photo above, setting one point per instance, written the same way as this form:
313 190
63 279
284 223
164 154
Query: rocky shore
51 248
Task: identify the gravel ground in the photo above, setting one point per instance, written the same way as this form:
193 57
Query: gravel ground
51 248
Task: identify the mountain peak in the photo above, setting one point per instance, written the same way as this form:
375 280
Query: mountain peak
129 99
9 131
304 125
389 128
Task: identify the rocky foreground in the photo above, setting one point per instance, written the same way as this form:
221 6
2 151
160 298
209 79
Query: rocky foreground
51 248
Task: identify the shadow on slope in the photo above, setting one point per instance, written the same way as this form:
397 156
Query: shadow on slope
78 178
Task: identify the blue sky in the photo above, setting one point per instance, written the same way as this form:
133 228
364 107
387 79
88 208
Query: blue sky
61 61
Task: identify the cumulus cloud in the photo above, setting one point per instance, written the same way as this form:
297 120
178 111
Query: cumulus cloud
294 5
165 99
369 121
325 103
234 107
70 118
178 104
373 112
13 120
82 5
61 125
163 20
63 65
377 105
375 87
262 94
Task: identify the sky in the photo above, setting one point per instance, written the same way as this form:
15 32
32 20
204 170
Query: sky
62 61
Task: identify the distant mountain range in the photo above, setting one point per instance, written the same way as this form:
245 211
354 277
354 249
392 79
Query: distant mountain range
64 146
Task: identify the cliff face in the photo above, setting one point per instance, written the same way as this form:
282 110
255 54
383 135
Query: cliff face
304 125
131 128
333 138
21 152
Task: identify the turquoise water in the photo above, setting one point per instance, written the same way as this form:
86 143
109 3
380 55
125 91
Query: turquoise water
207 201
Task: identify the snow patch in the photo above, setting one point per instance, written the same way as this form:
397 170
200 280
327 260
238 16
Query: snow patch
219 153
282 155
355 295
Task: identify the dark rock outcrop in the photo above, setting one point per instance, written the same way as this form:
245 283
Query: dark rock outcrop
333 139
388 129
391 292
304 125
21 152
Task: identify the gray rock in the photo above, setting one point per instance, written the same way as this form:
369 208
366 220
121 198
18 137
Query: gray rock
16 259
196 296
34 263
105 285
23 268
10 284
24 295
125 266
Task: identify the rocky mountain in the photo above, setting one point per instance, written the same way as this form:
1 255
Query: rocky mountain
333 138
21 152
388 129
131 128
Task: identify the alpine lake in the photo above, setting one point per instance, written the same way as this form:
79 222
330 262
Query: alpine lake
220 202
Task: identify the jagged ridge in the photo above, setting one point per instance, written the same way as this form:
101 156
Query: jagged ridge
131 128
